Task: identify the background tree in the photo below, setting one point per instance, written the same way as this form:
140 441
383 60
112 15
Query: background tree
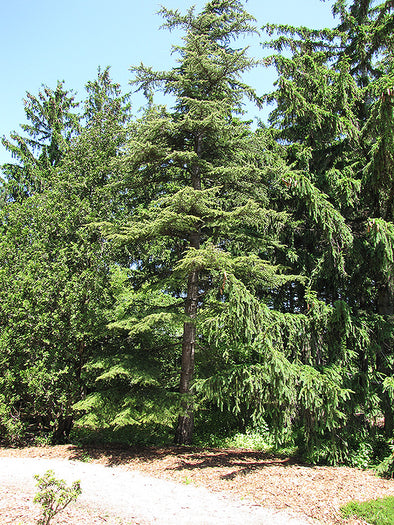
55 277
51 125
52 298
334 112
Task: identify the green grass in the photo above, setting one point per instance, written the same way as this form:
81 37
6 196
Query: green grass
251 439
376 512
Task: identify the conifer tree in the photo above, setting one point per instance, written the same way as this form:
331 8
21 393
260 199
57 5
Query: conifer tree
52 122
201 231
334 112
54 273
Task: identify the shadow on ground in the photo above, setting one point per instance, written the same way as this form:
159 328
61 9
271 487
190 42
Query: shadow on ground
177 458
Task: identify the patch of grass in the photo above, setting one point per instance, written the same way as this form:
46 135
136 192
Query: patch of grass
259 441
377 511
252 439
187 481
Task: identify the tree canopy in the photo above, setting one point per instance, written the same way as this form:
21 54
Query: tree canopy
185 272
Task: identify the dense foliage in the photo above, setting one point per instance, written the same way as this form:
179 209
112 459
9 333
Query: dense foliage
184 272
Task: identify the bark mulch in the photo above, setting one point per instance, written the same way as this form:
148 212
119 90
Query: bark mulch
279 483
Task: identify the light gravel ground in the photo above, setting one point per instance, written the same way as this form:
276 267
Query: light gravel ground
132 495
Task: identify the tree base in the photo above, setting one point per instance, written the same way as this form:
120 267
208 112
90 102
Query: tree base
184 430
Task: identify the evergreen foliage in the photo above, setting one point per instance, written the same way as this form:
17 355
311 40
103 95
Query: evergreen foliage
205 211
52 124
182 266
334 115
55 285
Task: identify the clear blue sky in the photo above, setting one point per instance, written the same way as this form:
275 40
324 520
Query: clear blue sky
43 41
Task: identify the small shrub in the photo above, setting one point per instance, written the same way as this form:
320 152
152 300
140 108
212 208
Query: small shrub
362 457
53 495
376 512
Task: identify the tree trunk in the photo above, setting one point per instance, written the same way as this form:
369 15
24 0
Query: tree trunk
62 430
184 430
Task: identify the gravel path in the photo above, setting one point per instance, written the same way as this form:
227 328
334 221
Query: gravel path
132 495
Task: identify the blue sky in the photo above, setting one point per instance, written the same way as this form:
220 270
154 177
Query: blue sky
43 41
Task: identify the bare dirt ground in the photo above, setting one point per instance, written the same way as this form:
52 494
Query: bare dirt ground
255 477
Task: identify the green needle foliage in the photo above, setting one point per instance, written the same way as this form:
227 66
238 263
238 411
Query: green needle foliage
182 269
55 282
52 124
334 115
195 239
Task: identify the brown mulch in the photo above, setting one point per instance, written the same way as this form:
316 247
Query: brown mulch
279 483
